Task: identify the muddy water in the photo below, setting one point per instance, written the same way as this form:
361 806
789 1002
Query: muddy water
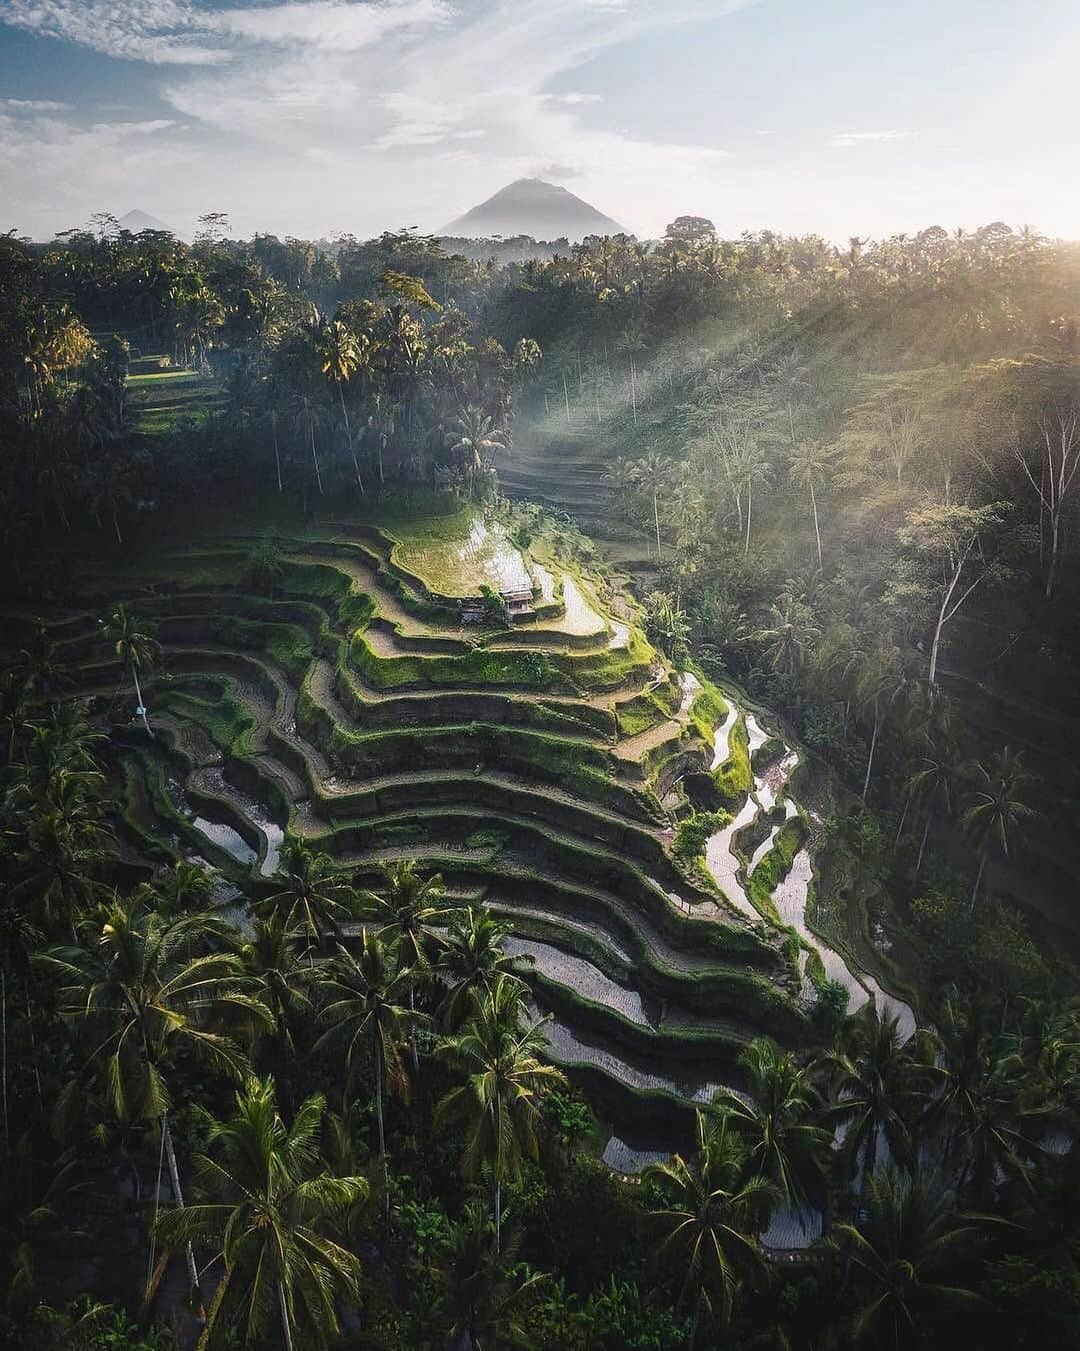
570 1049
582 977
722 741
724 865
580 617
256 813
691 687
226 838
623 1157
546 582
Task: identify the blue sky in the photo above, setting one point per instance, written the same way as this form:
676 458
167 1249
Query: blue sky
314 117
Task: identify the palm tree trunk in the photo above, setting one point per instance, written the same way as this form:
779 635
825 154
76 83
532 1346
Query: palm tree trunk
566 398
178 1197
498 1215
749 509
979 874
817 530
33 1043
903 818
869 1162
315 458
656 521
277 452
922 845
284 1307
379 1097
695 1324
1055 545
139 701
870 759
633 387
348 437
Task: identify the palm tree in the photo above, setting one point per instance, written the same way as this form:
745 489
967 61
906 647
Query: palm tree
14 709
408 915
363 1009
810 462
184 888
878 679
877 1089
789 632
665 624
66 845
997 804
342 353
476 440
135 649
933 780
486 1296
751 466
307 417
472 959
652 472
312 896
39 664
784 1144
272 964
977 1111
506 1081
146 1000
38 1199
272 1201
903 1257
711 1212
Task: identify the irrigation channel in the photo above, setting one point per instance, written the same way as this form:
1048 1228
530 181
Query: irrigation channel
791 894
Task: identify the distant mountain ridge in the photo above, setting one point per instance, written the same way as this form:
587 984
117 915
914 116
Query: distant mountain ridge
530 206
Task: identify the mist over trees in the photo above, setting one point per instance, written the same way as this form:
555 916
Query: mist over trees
845 477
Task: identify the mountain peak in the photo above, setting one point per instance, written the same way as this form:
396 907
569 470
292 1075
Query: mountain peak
137 221
532 206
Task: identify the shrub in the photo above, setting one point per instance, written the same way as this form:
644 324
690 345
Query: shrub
692 834
734 779
831 1007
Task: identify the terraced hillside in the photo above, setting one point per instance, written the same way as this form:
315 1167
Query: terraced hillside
323 684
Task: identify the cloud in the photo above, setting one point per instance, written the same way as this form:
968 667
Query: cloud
29 107
48 157
368 108
171 32
555 172
329 24
163 32
847 138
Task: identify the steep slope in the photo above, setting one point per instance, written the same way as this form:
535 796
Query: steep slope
535 765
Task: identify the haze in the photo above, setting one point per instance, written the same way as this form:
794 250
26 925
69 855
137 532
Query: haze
321 116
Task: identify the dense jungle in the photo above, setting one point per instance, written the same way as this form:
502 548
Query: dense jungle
539 793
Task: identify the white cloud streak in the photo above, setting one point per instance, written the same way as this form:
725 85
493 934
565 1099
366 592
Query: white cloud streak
842 139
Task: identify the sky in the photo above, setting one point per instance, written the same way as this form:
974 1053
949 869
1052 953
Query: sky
318 117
